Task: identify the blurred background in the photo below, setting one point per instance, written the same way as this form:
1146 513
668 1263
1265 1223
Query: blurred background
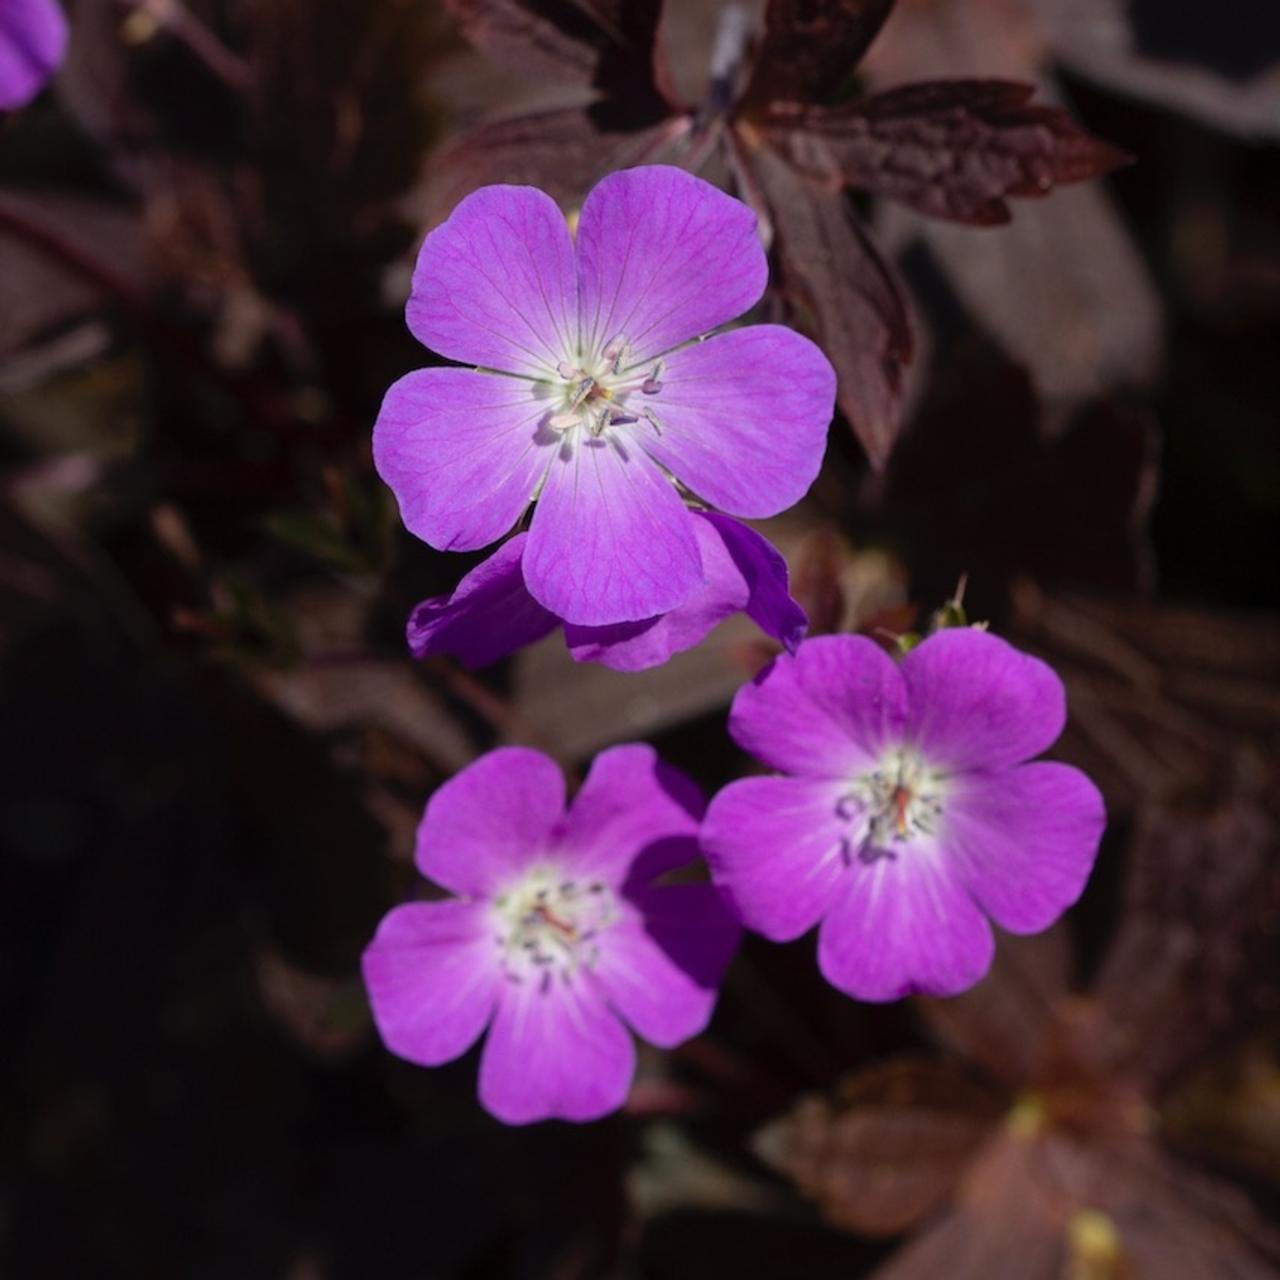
214 748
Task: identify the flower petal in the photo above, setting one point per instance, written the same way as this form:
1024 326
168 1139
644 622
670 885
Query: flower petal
33 41
496 284
558 1053
661 966
774 846
741 571
829 712
978 703
906 924
611 540
663 257
463 453
744 418
490 821
1025 840
432 978
633 815
489 615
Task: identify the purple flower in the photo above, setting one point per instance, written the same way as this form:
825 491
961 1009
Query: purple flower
592 394
491 613
558 935
909 815
33 39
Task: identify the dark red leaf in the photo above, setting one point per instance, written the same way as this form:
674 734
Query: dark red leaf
953 149
810 46
832 270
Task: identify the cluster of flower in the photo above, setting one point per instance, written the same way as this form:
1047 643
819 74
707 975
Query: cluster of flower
906 813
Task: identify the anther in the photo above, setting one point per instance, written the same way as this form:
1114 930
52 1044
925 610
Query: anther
568 371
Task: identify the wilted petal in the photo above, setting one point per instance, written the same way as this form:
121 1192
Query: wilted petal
1024 840
744 418
33 40
978 703
489 615
829 712
774 846
490 821
432 976
663 257
769 603
555 1053
904 925
462 452
611 540
495 284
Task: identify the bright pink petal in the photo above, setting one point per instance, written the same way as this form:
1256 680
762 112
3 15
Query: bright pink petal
662 964
663 257
489 615
1024 840
555 1053
463 453
633 813
829 712
490 821
978 703
432 976
775 845
611 540
904 925
744 418
496 285
33 42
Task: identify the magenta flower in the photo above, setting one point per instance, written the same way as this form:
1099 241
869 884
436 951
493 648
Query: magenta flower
491 613
592 395
909 816
33 40
558 936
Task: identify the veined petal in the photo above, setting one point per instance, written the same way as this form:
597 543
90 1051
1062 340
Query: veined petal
829 712
1024 840
33 41
432 978
774 846
663 257
490 821
744 418
611 541
904 925
463 453
555 1052
489 615
979 703
496 284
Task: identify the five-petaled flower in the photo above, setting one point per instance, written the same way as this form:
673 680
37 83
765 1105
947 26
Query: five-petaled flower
558 935
596 392
910 814
33 40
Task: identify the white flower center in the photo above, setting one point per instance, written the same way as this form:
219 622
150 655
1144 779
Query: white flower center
606 391
548 927
897 802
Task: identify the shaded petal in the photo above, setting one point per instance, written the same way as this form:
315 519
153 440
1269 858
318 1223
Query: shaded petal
661 966
496 284
558 1053
462 452
33 41
663 257
774 846
432 976
1024 840
744 418
489 615
490 821
829 712
741 571
905 925
611 540
978 703
633 814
